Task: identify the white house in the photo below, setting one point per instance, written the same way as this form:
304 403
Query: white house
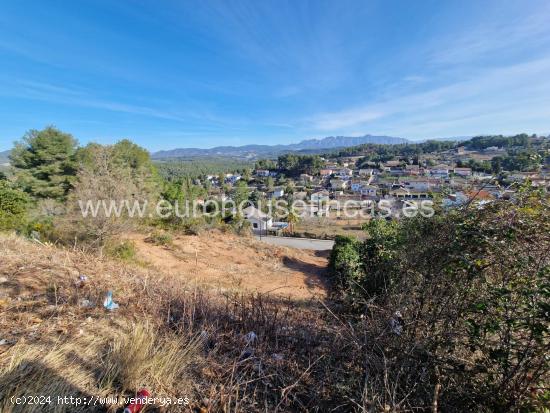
463 171
368 190
344 172
259 220
277 192
418 184
366 172
441 171
262 172
319 197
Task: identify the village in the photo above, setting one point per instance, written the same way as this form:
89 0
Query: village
336 194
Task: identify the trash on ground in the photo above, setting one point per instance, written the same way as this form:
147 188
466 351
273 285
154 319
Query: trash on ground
3 342
250 338
109 304
277 356
246 354
396 323
85 303
82 279
138 402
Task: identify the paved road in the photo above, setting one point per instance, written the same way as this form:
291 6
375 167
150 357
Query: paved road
301 243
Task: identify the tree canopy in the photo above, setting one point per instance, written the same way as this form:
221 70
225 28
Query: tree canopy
44 162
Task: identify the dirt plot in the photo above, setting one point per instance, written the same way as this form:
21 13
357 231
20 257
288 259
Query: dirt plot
227 262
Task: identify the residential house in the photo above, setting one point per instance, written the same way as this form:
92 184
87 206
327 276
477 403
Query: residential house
337 183
397 171
369 190
262 172
343 173
277 192
259 220
391 164
232 179
412 169
418 184
320 197
463 171
440 171
325 172
357 185
366 172
306 178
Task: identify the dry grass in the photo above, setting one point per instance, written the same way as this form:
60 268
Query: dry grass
169 336
145 356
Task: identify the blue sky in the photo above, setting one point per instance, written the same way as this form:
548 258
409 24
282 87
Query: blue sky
199 74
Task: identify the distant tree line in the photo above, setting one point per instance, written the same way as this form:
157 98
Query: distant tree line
195 168
293 165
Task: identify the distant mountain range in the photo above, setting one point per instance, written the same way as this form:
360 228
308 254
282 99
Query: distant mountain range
254 151
309 146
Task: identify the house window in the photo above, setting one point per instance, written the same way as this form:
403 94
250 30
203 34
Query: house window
255 225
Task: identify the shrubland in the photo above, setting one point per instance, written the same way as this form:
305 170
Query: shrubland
457 305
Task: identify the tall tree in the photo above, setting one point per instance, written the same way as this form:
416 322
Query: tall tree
44 162
240 193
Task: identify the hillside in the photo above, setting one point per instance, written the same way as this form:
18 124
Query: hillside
254 151
59 340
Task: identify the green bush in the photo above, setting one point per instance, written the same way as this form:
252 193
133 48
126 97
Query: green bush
469 292
160 238
345 266
124 250
13 207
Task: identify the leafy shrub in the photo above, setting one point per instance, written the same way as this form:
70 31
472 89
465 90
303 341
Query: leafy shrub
462 304
13 206
364 270
124 250
160 238
345 266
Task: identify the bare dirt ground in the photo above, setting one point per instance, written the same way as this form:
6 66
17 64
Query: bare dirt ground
229 263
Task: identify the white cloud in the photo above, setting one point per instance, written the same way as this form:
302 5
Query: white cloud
512 90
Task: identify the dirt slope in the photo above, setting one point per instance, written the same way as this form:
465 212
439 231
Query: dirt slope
227 262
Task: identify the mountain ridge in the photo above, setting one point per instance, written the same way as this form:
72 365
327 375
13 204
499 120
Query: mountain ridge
251 151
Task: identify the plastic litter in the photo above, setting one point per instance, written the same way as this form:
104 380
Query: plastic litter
277 356
250 338
396 323
139 402
3 342
85 303
109 304
82 280
246 354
